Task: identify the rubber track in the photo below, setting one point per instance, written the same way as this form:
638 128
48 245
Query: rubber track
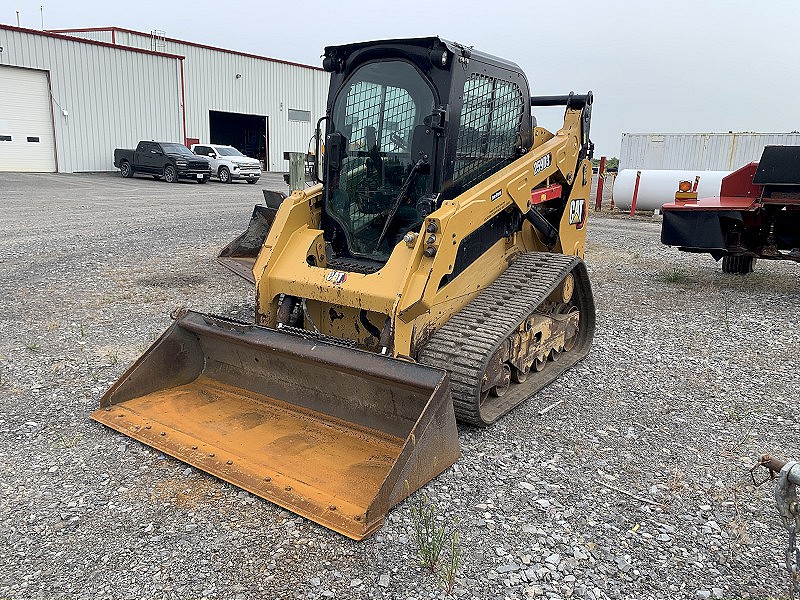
464 345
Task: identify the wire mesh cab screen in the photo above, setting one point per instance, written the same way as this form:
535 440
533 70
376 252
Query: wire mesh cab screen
491 116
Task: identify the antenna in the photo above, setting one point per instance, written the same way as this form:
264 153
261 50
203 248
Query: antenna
17 18
41 12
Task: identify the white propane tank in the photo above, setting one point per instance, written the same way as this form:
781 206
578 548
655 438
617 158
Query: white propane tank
658 187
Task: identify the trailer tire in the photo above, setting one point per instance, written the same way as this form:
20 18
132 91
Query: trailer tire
738 265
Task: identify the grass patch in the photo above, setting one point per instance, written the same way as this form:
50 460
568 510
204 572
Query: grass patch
33 346
675 275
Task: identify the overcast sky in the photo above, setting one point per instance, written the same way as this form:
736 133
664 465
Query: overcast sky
675 66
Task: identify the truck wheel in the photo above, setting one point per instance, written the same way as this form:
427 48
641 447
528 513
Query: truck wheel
126 169
225 175
170 174
739 265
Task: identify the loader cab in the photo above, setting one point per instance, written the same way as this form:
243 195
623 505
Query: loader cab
409 124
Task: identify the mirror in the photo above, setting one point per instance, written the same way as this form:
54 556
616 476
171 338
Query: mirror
319 149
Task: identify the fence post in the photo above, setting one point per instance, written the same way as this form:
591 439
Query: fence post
601 172
635 193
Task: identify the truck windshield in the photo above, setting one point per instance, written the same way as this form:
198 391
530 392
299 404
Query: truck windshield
176 149
376 112
229 152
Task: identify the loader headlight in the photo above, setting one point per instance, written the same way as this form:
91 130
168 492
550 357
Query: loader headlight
685 186
439 58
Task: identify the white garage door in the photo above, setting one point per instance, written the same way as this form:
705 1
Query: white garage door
27 142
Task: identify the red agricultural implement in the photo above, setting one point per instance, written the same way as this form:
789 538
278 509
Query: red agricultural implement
756 215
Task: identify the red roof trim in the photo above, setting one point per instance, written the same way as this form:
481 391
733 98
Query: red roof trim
72 38
195 44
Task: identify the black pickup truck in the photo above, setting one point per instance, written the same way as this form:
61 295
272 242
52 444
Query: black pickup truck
162 159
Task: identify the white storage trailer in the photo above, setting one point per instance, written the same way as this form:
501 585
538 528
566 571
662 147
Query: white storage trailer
698 151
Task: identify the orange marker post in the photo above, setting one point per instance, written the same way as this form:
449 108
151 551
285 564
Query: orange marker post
601 172
635 193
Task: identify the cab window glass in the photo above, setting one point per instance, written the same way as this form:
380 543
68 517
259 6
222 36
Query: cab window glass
376 112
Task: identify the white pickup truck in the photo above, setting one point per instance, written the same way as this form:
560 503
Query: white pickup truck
227 163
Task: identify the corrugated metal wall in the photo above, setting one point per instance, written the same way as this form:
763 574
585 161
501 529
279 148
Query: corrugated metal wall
266 87
701 151
114 97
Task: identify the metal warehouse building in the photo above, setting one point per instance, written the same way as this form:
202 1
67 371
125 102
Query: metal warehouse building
697 151
68 98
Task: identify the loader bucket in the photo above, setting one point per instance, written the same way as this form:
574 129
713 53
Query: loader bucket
240 255
335 434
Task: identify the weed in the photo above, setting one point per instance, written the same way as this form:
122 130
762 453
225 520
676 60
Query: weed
736 413
739 535
449 570
113 357
69 441
95 375
33 346
82 330
429 535
675 275
735 447
432 538
675 481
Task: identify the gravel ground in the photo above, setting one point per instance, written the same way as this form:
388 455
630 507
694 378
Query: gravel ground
692 375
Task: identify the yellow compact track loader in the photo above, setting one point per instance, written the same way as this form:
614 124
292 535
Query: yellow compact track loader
433 273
